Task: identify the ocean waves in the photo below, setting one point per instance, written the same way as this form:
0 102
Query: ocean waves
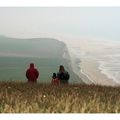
110 66
105 54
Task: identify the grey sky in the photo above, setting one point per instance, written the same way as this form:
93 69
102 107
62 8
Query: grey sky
73 21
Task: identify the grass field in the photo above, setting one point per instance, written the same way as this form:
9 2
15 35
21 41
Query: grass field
43 98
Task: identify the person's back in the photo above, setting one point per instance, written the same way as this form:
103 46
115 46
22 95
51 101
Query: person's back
55 80
63 75
32 73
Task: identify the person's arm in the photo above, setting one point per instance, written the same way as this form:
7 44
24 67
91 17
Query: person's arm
27 74
67 75
37 73
58 75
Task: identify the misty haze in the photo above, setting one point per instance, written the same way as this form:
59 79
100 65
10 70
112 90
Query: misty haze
82 43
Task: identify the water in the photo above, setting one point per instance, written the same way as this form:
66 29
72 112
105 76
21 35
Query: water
111 66
109 63
106 53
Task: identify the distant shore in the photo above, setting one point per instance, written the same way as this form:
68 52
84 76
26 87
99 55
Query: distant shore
90 69
74 67
74 78
85 57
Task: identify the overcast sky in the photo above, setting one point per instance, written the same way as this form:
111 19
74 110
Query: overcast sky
88 22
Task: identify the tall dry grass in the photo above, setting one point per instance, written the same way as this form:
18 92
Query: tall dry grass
43 98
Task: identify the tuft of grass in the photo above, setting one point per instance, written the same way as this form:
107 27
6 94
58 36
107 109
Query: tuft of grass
45 98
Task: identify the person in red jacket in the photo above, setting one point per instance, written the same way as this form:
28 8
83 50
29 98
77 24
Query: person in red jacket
55 80
32 73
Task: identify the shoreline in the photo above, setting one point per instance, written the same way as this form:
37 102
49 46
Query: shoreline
84 63
82 72
83 78
92 72
67 57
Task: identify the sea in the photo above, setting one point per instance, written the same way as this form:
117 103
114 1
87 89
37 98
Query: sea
106 53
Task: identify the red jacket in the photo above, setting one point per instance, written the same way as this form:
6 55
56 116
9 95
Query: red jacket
55 81
32 73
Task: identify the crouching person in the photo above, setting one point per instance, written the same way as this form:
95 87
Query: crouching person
32 73
55 80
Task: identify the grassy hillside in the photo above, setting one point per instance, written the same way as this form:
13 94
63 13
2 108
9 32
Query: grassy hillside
14 68
45 98
33 47
16 54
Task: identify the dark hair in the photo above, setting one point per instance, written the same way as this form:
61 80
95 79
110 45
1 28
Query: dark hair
54 75
61 68
31 64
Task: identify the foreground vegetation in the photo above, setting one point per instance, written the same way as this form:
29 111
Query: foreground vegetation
43 98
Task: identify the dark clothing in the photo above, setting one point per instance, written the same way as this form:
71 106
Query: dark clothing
64 81
63 77
32 74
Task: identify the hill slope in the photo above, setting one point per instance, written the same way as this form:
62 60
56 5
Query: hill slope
46 53
35 47
45 98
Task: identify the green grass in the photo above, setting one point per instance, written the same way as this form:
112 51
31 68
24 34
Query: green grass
14 68
18 97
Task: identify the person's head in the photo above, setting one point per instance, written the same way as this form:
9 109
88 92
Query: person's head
31 65
61 68
54 75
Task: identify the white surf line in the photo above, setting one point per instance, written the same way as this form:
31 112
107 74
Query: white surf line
84 74
87 76
104 71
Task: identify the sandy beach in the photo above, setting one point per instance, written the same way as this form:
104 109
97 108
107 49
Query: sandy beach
90 69
86 55
90 52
